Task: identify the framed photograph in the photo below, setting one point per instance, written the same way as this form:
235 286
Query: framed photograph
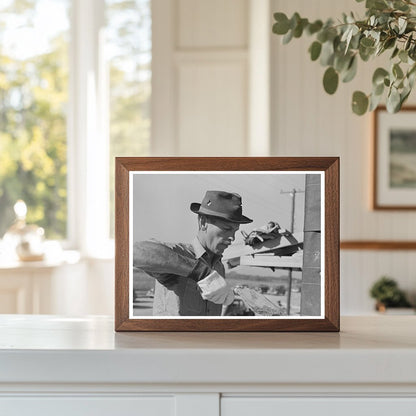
227 244
394 159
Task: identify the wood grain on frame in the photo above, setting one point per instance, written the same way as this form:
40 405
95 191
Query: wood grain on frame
375 205
329 165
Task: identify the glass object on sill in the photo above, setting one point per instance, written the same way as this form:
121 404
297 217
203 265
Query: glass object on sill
25 241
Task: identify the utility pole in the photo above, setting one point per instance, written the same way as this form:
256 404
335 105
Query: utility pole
292 193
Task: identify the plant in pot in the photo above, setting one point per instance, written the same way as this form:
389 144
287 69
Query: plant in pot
387 294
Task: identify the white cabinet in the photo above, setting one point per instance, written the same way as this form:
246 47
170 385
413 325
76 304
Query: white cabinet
67 285
39 287
324 406
88 406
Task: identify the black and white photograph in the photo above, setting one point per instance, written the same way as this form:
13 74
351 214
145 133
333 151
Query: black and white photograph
394 159
226 244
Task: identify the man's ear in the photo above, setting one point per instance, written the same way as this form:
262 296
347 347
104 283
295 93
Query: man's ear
202 222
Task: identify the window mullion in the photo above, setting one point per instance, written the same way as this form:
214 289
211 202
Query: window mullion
88 136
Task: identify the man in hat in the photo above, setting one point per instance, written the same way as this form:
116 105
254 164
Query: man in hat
190 277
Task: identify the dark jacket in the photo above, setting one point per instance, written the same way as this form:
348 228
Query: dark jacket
177 268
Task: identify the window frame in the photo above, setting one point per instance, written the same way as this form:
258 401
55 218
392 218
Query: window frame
88 133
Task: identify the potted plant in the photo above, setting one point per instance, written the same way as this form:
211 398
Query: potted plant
387 294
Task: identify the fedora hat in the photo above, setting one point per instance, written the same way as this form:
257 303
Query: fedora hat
223 205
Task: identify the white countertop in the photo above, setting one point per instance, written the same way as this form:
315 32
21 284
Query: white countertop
50 349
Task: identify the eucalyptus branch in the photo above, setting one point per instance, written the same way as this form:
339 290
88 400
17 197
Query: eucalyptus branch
388 25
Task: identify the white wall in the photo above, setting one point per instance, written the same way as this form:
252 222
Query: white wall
200 77
203 91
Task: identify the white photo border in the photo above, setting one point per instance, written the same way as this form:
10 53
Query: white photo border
291 317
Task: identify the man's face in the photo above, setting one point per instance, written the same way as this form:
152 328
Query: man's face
217 234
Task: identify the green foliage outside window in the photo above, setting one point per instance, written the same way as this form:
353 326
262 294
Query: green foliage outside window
33 97
34 103
129 38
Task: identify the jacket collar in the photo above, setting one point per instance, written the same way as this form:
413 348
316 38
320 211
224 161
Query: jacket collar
200 251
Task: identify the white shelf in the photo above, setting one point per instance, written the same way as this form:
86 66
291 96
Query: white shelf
51 349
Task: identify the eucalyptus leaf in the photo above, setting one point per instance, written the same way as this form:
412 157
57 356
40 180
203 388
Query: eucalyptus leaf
408 42
383 18
365 53
337 44
315 50
327 54
412 70
330 80
367 42
400 5
376 4
403 56
288 37
378 89
346 34
374 102
331 33
350 18
412 52
281 26
379 75
379 50
404 96
376 36
393 101
411 76
298 30
352 31
294 21
395 52
402 22
397 71
359 103
394 26
341 62
389 43
314 27
411 79
350 73
322 36
355 41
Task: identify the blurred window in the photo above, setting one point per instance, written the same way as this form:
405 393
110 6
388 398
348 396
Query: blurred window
129 46
35 101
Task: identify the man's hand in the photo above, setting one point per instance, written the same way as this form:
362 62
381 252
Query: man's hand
215 289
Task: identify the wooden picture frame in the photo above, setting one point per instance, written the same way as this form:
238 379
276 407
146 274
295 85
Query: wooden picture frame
394 158
147 194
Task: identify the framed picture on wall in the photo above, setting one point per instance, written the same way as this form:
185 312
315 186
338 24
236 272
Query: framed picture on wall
394 179
227 244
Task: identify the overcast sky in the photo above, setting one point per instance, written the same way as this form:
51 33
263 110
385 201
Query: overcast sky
161 201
